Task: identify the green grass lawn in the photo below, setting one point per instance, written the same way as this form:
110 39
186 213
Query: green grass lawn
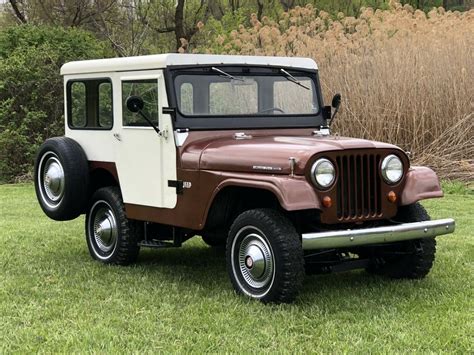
55 298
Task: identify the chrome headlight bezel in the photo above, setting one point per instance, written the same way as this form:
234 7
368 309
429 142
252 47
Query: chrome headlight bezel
318 164
386 166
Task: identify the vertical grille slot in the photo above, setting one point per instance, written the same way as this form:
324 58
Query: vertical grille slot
358 187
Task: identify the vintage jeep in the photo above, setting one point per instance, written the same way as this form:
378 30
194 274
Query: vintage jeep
236 149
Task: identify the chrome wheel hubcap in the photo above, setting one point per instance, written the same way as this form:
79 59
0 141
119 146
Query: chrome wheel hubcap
104 227
54 179
51 180
255 260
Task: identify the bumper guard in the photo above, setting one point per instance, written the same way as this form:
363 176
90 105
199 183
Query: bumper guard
377 235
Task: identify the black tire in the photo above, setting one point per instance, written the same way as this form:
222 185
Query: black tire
265 238
111 237
61 178
416 256
214 239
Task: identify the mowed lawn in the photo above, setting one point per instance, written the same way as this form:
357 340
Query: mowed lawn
55 298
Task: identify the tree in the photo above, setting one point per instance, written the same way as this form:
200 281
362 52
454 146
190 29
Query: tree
31 88
179 17
76 13
125 27
17 10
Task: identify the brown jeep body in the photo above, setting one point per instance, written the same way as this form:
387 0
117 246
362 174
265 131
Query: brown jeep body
216 160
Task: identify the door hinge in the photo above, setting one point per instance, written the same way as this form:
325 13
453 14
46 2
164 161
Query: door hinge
178 184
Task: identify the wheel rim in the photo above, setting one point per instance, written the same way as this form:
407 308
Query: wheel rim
51 180
253 261
103 229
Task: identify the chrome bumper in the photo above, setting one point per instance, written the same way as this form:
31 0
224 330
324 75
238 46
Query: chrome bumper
377 235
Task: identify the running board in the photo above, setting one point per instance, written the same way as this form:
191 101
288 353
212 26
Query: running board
158 244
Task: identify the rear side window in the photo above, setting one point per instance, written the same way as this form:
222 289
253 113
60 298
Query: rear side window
148 91
105 105
89 104
78 104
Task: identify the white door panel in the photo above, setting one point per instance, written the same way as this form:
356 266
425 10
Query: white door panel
145 161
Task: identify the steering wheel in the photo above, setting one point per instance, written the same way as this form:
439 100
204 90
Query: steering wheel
272 109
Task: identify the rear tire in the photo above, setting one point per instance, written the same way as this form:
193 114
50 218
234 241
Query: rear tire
111 237
61 178
265 256
418 255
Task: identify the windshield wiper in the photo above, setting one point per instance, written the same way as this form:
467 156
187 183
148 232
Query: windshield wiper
293 79
227 74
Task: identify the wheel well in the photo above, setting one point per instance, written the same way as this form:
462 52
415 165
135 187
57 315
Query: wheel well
101 178
232 201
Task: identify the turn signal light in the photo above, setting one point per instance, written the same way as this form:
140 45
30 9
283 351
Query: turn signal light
327 202
392 197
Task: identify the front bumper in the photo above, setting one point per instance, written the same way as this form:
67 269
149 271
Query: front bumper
377 235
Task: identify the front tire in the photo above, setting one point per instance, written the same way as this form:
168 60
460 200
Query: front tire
265 257
111 237
214 239
415 257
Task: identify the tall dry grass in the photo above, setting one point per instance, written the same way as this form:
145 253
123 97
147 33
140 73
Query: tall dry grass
406 77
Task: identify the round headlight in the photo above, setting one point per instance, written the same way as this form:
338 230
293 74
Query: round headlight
392 169
323 173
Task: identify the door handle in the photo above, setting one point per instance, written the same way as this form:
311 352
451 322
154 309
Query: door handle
117 137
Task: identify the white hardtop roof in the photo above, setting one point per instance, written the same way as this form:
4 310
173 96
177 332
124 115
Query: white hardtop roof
158 61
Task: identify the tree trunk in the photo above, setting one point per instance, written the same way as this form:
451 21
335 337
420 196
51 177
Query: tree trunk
259 9
179 31
17 11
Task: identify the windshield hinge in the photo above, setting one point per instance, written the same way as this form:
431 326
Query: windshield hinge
323 132
242 135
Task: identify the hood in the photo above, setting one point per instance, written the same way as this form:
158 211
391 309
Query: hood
266 154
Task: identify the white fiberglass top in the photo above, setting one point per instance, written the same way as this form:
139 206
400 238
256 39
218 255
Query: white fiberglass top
159 61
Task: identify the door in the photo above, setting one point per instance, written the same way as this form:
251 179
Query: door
145 161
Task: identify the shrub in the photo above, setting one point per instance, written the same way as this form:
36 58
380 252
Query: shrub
31 89
405 76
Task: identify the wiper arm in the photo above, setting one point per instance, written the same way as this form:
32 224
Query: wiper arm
226 74
293 79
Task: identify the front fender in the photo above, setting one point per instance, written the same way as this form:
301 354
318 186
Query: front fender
293 193
421 183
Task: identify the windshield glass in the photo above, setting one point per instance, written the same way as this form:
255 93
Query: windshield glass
228 92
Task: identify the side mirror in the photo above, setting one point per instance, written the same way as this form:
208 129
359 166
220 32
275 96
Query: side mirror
135 104
336 101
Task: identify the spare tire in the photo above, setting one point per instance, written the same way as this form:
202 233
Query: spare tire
61 178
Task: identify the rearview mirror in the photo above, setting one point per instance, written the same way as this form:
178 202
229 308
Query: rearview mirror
336 101
135 104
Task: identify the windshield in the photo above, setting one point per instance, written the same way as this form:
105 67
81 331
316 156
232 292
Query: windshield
239 92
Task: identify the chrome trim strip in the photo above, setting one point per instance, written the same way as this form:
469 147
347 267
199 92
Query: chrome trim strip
386 234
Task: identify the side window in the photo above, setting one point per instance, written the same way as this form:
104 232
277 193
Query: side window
105 107
77 103
89 104
148 91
